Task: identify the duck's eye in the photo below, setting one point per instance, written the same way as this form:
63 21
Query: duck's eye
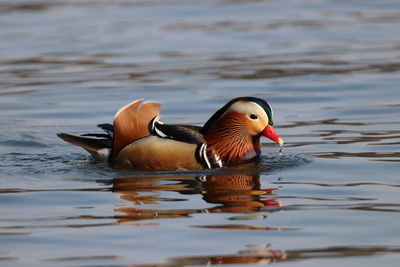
253 116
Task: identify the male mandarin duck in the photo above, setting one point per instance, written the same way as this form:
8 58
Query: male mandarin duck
138 140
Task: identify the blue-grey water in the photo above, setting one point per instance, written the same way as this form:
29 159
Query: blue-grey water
330 70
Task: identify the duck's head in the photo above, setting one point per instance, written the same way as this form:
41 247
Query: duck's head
254 114
235 129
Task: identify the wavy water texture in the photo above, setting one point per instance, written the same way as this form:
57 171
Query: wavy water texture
329 69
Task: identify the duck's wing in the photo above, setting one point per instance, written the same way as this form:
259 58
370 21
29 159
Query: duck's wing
179 132
131 123
168 147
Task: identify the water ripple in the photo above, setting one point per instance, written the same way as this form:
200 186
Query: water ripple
328 68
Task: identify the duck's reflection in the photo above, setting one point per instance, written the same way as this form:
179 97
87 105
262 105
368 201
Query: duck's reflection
264 256
237 193
232 193
147 191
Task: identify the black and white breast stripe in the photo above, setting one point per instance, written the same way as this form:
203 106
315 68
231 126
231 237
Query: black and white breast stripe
208 159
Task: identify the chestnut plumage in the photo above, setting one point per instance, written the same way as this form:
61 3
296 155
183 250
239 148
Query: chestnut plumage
138 140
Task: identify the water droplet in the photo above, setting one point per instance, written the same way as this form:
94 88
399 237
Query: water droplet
280 150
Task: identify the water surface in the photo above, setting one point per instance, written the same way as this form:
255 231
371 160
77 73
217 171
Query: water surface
329 69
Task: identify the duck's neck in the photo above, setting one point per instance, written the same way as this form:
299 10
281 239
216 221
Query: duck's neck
229 139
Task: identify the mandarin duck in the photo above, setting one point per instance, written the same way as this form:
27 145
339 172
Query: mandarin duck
138 140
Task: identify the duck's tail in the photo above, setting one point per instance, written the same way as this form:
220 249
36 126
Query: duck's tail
99 148
131 123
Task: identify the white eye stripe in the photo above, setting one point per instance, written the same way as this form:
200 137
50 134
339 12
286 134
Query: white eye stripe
248 108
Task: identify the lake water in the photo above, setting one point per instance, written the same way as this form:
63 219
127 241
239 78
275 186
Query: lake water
329 69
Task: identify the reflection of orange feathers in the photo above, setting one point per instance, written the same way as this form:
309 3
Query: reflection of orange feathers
131 123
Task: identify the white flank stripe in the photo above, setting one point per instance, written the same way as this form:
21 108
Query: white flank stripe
153 125
160 133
